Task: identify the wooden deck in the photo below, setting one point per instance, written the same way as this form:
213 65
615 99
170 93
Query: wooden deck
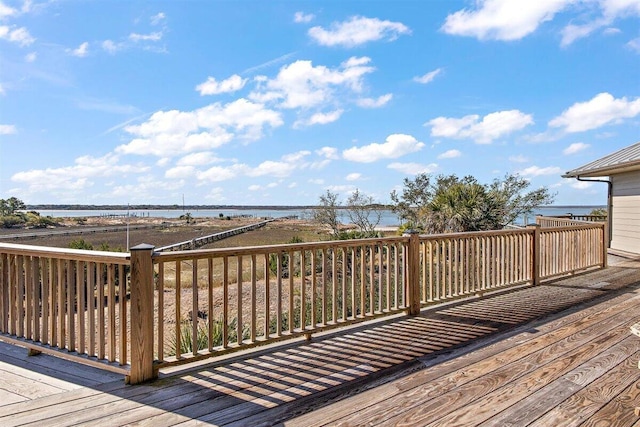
557 354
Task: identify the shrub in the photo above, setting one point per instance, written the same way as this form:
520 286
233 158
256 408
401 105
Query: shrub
356 234
81 244
37 221
202 340
10 221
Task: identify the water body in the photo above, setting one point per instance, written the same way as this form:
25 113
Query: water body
389 219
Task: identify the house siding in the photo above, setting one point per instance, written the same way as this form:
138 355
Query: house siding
625 233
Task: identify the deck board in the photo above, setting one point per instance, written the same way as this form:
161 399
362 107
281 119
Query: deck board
556 354
409 393
440 399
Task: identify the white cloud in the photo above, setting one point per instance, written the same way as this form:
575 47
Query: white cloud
601 110
81 51
171 133
317 181
573 32
302 85
374 102
78 176
580 185
31 57
254 187
8 129
356 31
328 152
413 168
427 78
502 19
273 168
396 145
157 18
217 194
491 127
538 171
2 91
513 20
282 168
179 172
319 119
450 154
16 35
110 46
574 148
301 17
198 159
610 10
518 159
353 176
221 173
343 189
152 37
214 87
634 44
7 11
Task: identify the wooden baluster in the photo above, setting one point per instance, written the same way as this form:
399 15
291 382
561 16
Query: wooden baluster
92 271
194 306
178 310
122 310
254 308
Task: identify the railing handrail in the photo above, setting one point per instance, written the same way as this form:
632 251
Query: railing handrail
285 247
121 258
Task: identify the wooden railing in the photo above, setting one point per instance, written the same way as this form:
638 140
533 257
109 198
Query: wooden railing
72 303
238 297
462 264
565 250
183 306
589 218
569 219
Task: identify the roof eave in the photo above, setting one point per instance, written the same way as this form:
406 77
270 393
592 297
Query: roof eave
602 172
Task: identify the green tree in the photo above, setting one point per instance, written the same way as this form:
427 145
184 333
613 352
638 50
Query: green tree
11 205
9 212
452 204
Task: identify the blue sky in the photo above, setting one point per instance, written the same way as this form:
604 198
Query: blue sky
273 103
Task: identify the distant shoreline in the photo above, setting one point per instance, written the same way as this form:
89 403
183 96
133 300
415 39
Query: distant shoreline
63 207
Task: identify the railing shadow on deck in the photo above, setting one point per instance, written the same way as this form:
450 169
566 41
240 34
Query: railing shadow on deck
292 379
273 385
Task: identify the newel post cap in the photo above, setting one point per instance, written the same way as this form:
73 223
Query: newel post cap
143 247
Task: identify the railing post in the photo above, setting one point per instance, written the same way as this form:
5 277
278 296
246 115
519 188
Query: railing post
535 254
605 244
142 368
413 272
